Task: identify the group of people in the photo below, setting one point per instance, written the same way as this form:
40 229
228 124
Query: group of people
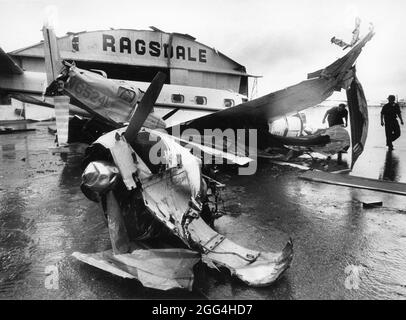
389 114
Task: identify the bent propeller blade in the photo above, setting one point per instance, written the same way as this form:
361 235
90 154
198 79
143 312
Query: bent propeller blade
145 106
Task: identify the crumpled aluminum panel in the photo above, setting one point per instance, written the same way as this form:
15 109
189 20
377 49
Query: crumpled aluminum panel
162 269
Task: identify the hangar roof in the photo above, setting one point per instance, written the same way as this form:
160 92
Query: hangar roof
140 48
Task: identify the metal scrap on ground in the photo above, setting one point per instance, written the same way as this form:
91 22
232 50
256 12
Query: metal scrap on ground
162 269
355 182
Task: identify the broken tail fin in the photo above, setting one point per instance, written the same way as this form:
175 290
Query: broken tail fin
53 62
53 67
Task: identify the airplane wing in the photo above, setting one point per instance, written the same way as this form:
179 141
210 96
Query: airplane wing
31 99
15 79
7 64
320 85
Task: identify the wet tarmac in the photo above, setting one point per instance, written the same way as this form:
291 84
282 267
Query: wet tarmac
342 251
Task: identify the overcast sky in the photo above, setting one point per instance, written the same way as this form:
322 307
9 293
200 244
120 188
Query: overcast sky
281 40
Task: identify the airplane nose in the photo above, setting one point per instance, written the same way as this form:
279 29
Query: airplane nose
100 176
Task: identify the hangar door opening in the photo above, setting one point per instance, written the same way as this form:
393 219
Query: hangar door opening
124 71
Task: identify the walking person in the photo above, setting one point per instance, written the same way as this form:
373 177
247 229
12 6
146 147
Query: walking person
336 116
389 114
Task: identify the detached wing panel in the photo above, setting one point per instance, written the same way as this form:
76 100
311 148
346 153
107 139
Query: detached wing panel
257 113
358 108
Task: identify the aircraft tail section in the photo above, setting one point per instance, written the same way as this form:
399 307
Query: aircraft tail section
53 62
53 67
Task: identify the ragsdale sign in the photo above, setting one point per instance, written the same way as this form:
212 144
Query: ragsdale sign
152 48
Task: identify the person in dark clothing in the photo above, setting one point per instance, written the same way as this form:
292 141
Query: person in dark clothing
389 114
336 115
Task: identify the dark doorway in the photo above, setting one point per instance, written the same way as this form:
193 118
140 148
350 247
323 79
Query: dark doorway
125 72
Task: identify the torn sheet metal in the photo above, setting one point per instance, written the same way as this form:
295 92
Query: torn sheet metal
339 141
253 267
116 224
258 112
358 108
176 156
171 203
355 182
174 197
355 36
162 269
328 141
169 198
124 157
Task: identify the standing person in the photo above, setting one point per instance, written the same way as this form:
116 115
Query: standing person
336 115
389 114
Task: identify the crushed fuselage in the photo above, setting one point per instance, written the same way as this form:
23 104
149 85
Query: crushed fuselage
143 200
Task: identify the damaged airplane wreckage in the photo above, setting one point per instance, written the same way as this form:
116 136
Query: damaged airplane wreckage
176 199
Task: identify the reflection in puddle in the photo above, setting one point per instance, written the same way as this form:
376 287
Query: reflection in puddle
16 245
8 151
391 167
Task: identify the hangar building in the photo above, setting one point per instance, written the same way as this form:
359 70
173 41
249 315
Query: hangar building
139 54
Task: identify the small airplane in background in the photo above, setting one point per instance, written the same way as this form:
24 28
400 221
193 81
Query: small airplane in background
143 199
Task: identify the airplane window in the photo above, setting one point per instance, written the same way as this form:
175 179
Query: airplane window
228 103
178 98
200 100
126 94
